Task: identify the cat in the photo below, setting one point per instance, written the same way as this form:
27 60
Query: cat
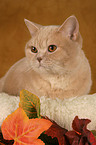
54 64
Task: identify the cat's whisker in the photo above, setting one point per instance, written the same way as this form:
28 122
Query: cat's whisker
28 70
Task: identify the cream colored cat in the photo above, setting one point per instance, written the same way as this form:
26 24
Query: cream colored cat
55 64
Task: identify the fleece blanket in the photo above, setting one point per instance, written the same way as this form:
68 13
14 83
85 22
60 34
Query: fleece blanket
62 112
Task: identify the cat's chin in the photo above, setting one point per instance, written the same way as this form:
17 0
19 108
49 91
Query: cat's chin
41 68
42 71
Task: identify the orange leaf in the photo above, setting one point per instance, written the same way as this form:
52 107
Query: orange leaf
22 130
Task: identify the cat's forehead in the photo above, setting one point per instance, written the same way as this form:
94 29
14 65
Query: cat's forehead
46 31
43 35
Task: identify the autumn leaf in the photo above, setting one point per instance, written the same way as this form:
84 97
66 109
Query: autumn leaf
80 134
22 130
30 104
56 131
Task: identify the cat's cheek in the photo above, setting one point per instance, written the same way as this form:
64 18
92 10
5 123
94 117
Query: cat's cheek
28 55
31 56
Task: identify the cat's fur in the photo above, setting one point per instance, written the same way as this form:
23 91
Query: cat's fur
63 73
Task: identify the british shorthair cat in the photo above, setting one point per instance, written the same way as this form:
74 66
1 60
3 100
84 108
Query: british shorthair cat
55 64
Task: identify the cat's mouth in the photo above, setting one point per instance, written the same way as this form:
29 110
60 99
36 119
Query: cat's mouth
40 65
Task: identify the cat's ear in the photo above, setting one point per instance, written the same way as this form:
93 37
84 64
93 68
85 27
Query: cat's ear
70 27
32 27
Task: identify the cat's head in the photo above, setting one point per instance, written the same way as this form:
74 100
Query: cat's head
54 49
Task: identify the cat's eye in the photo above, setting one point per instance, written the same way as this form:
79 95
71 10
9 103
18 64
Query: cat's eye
52 48
34 49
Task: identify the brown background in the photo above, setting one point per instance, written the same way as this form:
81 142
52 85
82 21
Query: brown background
14 34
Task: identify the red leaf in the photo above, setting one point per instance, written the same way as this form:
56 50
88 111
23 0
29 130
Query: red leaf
79 125
56 131
22 130
80 134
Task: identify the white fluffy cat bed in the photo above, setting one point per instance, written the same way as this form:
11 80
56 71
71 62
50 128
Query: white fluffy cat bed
62 112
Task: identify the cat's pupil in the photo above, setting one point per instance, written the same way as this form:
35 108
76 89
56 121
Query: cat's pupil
34 49
52 48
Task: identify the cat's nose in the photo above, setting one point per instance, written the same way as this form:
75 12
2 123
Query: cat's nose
39 59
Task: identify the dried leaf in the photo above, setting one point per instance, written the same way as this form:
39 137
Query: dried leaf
79 125
80 134
56 131
22 130
30 104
